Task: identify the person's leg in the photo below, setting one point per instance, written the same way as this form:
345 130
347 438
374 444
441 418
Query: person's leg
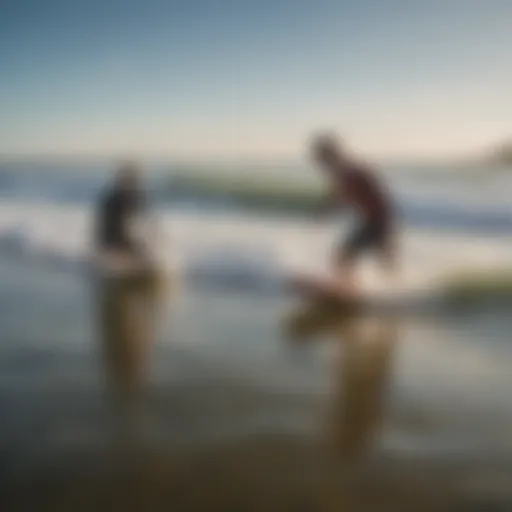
344 269
371 236
388 255
345 260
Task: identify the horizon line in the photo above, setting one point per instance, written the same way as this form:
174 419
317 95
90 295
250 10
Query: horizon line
83 158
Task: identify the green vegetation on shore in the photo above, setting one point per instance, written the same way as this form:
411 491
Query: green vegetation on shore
473 286
268 193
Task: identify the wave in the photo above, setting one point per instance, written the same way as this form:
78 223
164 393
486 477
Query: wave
236 253
233 272
301 199
422 204
45 240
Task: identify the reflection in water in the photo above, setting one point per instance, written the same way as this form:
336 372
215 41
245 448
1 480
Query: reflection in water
126 319
359 387
363 350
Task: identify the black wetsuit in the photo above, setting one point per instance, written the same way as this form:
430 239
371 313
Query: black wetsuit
114 212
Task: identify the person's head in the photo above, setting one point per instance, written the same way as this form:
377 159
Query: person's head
328 152
127 176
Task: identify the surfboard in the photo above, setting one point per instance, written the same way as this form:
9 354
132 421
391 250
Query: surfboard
313 319
440 297
322 289
329 298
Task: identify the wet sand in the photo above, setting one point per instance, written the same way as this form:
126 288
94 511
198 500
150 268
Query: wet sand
134 422
260 474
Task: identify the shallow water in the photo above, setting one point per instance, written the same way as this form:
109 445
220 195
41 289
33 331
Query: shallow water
243 401
235 405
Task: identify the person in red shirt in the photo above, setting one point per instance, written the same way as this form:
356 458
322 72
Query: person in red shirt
356 186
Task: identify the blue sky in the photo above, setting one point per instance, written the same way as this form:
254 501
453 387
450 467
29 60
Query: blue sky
246 78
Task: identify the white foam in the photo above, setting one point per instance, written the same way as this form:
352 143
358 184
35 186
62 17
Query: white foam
240 248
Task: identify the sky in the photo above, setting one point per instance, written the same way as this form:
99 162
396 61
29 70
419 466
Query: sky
254 78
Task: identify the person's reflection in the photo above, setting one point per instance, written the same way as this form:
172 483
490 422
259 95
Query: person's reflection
127 309
363 351
362 356
359 386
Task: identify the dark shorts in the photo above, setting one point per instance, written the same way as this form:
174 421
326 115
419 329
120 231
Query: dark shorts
368 237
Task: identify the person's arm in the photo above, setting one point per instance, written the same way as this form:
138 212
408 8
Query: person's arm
97 231
331 203
147 232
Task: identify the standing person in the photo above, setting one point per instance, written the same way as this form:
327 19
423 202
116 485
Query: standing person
118 209
127 294
356 186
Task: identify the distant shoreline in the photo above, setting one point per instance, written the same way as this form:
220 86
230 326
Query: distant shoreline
499 159
64 160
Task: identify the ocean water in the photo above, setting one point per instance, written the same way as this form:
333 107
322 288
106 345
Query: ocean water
452 221
426 401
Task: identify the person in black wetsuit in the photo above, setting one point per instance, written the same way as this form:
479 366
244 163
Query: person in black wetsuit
126 306
117 208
